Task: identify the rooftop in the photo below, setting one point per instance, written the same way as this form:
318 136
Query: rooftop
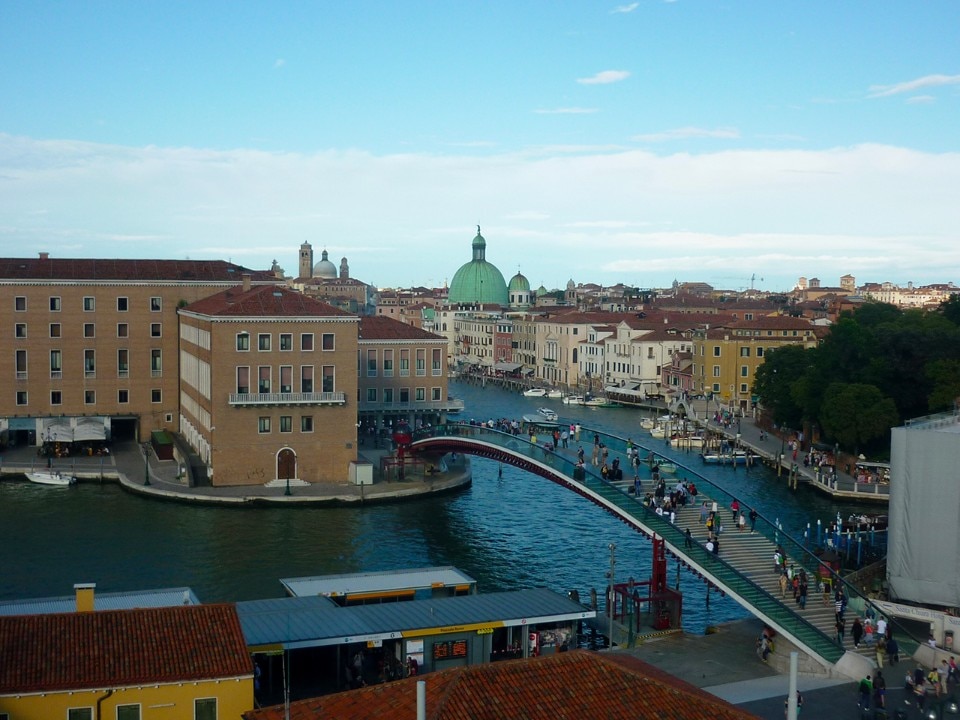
79 269
263 301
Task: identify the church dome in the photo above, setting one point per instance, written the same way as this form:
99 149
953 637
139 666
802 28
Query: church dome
519 284
541 291
325 269
478 281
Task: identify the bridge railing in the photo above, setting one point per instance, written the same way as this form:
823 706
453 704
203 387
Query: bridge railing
725 574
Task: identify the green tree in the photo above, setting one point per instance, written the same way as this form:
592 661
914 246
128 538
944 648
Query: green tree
856 415
773 383
944 375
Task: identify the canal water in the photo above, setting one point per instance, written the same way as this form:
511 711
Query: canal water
509 530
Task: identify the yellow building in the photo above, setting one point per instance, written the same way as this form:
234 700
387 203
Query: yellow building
268 386
185 662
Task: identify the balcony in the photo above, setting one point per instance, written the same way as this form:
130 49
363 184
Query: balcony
448 405
301 398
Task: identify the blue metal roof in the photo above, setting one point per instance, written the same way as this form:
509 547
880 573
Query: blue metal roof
166 597
377 582
293 623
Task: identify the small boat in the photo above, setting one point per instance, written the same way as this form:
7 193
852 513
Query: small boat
50 477
534 392
861 523
648 423
600 402
658 432
736 457
667 468
573 400
557 394
547 413
686 441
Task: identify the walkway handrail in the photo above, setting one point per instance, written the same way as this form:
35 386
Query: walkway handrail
723 574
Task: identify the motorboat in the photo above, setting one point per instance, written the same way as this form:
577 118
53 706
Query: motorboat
573 400
50 477
600 402
547 413
659 432
535 392
557 394
648 423
686 441
734 457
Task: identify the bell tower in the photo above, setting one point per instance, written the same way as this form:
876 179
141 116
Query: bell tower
306 260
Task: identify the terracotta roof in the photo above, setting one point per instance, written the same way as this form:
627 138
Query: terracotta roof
575 684
263 301
380 327
116 648
133 270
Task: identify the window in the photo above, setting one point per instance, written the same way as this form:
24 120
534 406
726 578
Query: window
243 380
716 387
286 378
156 330
128 712
20 303
371 363
156 304
327 378
759 352
21 397
123 363
54 304
404 363
435 393
745 352
156 362
327 341
80 714
89 330
89 397
716 351
123 330
306 342
21 362
123 304
388 363
123 396
306 423
404 395
56 364
716 371
371 395
263 379
743 388
263 424
421 362
388 395
286 341
263 342
205 709
286 423
89 304
54 330
435 366
306 378
56 397
243 342
20 330
89 363
744 371
421 394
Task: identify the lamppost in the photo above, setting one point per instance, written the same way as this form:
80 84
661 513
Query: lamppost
146 464
611 603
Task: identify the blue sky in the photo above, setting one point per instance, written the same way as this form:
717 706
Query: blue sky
640 142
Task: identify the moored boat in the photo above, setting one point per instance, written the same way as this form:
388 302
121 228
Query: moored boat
600 402
556 394
573 400
534 392
735 457
686 441
50 477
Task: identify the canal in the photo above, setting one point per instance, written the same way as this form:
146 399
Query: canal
509 530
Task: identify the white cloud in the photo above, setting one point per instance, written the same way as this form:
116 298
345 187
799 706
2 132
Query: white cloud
279 63
923 82
566 111
625 8
687 133
921 100
605 77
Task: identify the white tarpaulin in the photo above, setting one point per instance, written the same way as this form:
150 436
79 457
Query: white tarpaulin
56 430
89 429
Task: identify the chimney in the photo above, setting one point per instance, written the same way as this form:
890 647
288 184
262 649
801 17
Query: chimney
44 256
84 593
246 281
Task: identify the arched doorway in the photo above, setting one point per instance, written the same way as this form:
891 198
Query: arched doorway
286 464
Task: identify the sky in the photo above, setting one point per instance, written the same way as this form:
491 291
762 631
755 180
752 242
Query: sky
742 143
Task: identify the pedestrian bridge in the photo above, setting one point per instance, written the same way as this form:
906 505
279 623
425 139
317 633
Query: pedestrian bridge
743 569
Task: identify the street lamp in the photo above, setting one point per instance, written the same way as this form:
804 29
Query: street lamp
146 464
612 602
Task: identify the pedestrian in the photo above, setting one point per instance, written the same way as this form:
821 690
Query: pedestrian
857 631
954 675
783 586
742 523
943 672
841 628
868 631
688 539
879 691
866 690
753 520
881 650
802 595
893 650
704 512
786 704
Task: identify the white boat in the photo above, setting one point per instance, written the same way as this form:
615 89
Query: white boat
534 392
648 423
555 393
50 477
573 400
737 457
547 413
686 441
600 402
659 432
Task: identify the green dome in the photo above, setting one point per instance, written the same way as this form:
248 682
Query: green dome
478 281
541 291
519 284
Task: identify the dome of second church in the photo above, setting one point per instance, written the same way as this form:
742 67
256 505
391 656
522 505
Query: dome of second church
519 283
325 269
478 281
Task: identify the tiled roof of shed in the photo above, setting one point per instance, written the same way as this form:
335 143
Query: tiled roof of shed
78 269
576 684
263 301
379 327
116 648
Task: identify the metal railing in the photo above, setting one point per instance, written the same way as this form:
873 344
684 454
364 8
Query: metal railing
325 398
